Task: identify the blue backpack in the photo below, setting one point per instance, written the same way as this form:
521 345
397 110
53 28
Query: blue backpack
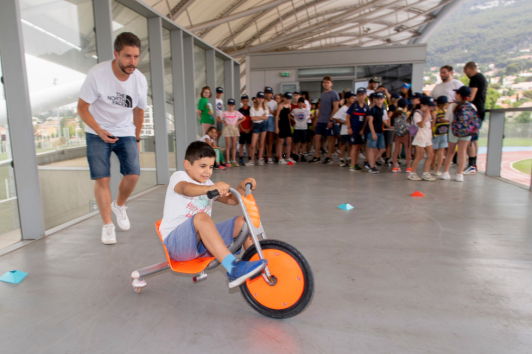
465 121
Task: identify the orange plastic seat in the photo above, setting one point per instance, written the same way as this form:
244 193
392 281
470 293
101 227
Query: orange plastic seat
194 266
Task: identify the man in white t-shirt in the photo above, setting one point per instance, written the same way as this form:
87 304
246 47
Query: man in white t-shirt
111 103
448 86
219 110
372 86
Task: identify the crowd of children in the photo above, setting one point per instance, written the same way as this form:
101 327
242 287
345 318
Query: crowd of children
376 129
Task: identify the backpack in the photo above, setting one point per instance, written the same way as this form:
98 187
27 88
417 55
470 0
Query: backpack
441 129
400 125
465 121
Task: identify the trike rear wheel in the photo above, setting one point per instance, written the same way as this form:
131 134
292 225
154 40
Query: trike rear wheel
293 281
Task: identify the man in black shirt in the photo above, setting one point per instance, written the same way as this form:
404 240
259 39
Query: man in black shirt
479 89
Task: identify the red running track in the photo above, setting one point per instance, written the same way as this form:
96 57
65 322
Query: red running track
508 158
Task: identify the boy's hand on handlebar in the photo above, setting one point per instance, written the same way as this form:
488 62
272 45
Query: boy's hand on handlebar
246 181
221 187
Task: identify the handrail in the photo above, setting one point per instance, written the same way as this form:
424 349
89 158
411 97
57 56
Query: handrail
516 109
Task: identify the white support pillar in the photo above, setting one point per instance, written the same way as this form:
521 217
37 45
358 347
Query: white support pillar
19 114
210 66
180 105
155 38
417 77
495 140
190 89
236 79
229 84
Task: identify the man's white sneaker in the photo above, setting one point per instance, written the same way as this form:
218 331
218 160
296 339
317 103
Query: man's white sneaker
121 216
459 178
471 170
108 234
445 175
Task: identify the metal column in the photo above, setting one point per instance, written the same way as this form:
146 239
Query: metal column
190 88
495 139
180 111
103 25
155 39
229 84
18 104
210 66
236 80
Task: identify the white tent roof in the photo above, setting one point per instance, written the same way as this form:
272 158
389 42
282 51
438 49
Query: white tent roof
239 27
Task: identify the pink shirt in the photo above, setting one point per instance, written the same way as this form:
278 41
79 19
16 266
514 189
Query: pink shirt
231 118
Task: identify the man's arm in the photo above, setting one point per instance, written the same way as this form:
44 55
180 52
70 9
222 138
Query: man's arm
87 118
474 91
138 119
336 106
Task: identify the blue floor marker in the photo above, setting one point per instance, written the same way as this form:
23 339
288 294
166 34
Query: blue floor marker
14 276
346 206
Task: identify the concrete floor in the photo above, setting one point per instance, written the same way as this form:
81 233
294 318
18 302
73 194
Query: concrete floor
448 273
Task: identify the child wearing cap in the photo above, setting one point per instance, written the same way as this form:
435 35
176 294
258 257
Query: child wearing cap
231 119
272 108
376 121
423 139
402 137
259 116
356 124
440 129
219 110
340 117
300 115
246 128
284 130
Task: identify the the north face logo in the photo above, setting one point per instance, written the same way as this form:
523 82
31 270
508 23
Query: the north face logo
121 99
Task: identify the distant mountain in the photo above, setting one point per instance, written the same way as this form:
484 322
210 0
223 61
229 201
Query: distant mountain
482 31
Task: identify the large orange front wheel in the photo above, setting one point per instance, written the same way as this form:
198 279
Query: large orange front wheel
292 277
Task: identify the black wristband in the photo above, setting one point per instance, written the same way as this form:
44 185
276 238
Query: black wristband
138 140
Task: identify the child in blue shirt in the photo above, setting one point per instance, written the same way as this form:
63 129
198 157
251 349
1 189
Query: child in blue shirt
356 123
187 228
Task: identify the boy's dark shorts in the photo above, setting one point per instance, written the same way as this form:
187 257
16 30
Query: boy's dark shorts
245 138
357 139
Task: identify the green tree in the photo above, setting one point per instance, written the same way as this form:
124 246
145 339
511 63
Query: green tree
491 98
524 117
513 68
527 94
465 80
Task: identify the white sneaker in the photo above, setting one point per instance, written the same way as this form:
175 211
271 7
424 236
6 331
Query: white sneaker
250 163
414 177
121 216
445 175
108 234
431 171
459 178
282 162
428 177
270 161
436 173
292 161
471 170
341 163
361 157
261 162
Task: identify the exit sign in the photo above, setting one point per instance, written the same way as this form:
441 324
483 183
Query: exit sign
285 73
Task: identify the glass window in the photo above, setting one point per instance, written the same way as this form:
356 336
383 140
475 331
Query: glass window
200 80
126 20
9 220
220 76
169 91
391 76
516 164
321 72
60 49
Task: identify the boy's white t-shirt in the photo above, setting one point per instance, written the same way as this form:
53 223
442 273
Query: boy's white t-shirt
272 106
258 113
207 139
112 101
300 116
219 107
179 208
341 114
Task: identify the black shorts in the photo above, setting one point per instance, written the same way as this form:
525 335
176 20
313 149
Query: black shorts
344 139
389 136
357 139
245 138
300 136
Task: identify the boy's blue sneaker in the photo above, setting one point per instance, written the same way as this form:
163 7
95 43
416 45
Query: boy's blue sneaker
241 161
243 270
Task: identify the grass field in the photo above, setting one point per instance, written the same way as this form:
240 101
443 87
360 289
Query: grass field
524 166
508 142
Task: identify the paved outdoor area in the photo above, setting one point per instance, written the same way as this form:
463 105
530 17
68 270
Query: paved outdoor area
447 273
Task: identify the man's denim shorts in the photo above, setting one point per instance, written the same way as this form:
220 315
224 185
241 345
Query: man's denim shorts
182 243
99 156
376 144
260 127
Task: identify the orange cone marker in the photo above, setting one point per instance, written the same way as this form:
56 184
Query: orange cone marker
417 194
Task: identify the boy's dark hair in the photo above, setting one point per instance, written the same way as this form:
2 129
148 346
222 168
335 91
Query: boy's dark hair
211 128
198 150
327 78
126 39
301 100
